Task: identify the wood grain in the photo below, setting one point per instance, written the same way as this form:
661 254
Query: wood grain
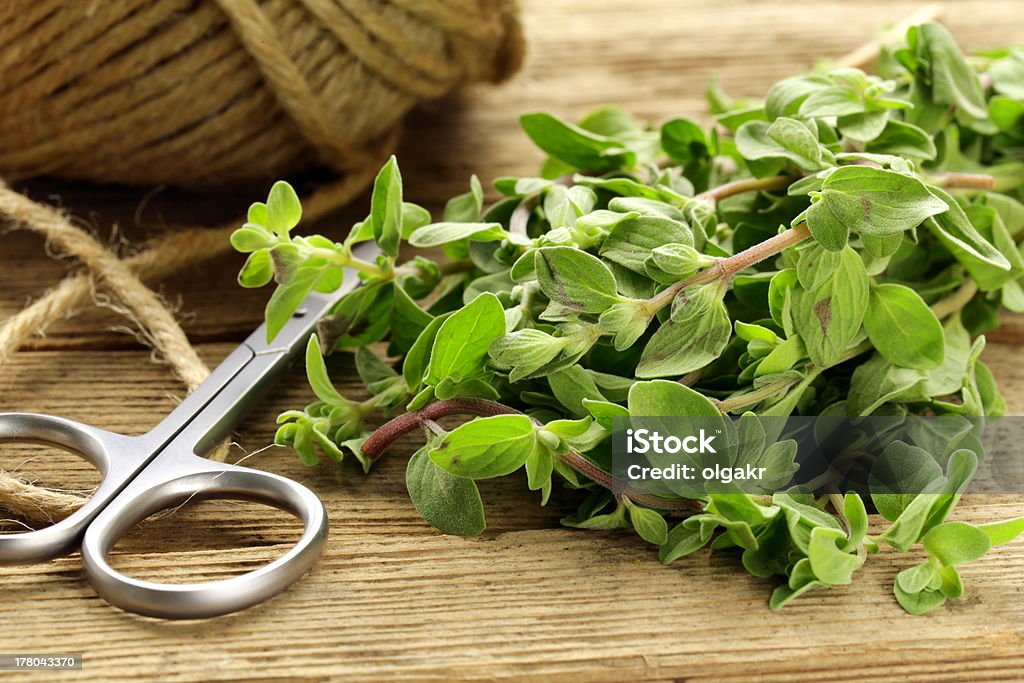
392 599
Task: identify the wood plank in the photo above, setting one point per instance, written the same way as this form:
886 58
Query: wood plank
392 599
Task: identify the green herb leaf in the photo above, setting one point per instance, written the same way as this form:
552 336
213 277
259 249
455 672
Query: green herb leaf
437 234
461 344
955 543
829 317
573 145
695 335
386 207
450 503
903 329
575 279
868 200
486 447
283 209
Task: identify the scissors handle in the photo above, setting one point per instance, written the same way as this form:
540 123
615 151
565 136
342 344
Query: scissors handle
117 458
181 477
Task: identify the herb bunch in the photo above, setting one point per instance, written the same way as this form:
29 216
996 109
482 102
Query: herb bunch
838 248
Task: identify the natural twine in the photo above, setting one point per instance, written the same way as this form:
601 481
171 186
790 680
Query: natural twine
200 92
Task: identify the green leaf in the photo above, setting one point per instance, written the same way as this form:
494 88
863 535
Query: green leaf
878 381
917 578
573 145
949 377
287 298
785 139
283 209
627 321
251 237
801 580
258 269
681 541
899 475
524 352
862 126
816 265
462 341
451 504
1003 532
486 447
903 329
678 260
955 230
468 207
414 367
575 279
696 334
953 82
436 234
632 241
836 100
829 563
360 317
661 398
857 518
609 120
376 374
572 386
955 543
683 140
316 372
786 97
649 524
918 603
903 139
868 200
408 320
539 466
386 207
829 317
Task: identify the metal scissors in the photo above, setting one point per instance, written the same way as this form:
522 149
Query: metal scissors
163 468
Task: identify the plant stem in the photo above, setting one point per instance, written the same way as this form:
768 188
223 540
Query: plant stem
756 396
747 185
966 181
955 301
403 424
727 267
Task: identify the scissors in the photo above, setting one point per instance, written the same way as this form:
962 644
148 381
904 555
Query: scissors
163 468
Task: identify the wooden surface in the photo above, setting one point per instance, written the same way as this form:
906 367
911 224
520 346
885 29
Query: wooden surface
392 599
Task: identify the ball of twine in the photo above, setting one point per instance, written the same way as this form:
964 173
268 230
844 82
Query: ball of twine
195 92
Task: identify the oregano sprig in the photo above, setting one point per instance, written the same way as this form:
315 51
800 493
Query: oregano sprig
838 248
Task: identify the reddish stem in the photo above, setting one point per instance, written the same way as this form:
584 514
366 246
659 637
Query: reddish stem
389 432
727 267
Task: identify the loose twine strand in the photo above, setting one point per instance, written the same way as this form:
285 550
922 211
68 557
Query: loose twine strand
174 251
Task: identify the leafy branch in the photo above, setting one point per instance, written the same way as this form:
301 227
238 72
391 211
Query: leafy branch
836 249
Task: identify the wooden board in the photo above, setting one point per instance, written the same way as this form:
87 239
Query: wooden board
392 599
